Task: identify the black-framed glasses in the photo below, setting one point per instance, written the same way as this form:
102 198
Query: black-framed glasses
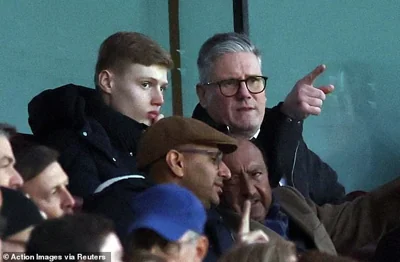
216 155
230 87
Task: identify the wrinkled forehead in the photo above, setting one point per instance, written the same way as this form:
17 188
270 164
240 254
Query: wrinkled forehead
236 53
236 65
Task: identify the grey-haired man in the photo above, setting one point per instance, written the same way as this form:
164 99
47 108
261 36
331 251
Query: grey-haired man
232 99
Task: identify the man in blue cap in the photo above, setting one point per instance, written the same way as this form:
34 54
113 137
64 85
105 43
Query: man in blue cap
170 223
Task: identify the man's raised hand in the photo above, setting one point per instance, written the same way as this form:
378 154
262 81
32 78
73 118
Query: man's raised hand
305 99
245 235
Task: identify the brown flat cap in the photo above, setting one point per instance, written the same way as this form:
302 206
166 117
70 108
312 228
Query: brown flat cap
170 132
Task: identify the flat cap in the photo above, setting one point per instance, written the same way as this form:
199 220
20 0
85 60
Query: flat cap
170 132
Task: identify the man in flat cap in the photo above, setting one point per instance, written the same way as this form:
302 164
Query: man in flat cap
189 153
178 150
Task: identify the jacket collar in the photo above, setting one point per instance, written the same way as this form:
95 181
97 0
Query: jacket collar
298 210
220 236
123 131
201 114
276 219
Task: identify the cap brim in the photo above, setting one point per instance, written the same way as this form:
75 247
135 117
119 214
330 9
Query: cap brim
226 146
170 230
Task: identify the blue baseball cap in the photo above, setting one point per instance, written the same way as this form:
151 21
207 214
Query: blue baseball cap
169 210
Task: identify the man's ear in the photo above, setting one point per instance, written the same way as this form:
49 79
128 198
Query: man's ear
105 81
175 161
202 247
201 94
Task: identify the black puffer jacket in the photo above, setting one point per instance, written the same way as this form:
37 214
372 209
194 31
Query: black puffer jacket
288 156
96 143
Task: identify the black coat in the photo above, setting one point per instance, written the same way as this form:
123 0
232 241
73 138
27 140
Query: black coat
96 143
220 236
114 202
288 156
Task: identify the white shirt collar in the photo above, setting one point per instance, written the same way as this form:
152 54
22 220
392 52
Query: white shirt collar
256 134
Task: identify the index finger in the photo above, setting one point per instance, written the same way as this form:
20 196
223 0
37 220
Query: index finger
245 223
310 78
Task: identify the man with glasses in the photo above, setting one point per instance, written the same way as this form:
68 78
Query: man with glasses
186 152
232 99
178 150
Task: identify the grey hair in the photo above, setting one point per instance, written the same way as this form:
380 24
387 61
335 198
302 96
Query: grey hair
219 45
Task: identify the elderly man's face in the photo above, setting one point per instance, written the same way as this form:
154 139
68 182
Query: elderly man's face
249 180
243 112
9 177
